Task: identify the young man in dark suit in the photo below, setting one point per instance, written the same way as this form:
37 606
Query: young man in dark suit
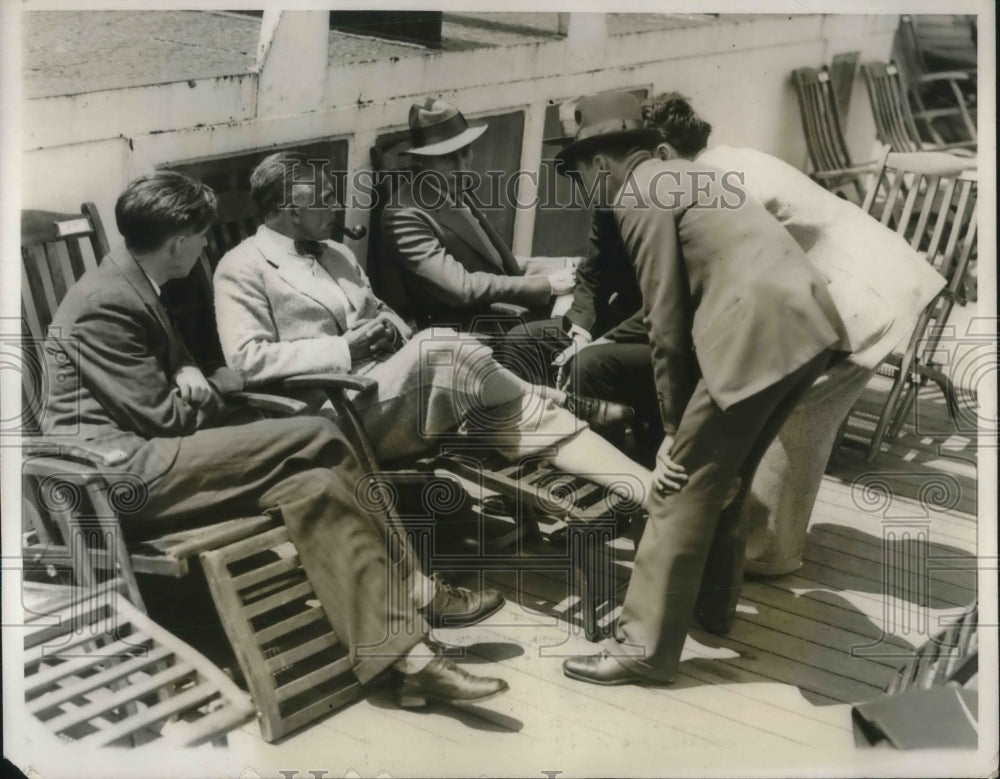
124 380
740 325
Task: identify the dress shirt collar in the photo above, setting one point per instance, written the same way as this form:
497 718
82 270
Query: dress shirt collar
283 241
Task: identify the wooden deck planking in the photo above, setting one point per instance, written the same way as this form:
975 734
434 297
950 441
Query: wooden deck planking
804 645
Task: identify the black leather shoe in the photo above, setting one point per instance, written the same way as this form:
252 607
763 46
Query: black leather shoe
453 607
600 669
443 681
599 414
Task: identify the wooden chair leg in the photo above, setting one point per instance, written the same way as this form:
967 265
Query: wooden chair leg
888 414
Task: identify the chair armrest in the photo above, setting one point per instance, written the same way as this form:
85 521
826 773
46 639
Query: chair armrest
508 309
328 381
89 453
868 167
943 75
274 404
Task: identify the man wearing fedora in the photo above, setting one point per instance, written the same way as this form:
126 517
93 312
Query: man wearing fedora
451 260
740 325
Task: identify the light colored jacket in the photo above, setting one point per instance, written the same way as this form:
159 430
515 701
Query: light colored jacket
277 318
878 283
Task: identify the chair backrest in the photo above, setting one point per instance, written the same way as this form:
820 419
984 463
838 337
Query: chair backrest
56 250
893 120
929 43
820 119
906 49
388 161
929 198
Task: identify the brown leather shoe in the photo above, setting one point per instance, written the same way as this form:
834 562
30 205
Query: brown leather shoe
599 414
453 607
600 669
443 681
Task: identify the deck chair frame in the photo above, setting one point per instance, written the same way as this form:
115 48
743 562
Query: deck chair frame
829 157
934 209
895 123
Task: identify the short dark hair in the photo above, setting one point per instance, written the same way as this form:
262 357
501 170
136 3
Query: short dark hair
671 113
160 205
274 178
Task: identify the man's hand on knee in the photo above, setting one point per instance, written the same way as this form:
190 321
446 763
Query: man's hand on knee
668 476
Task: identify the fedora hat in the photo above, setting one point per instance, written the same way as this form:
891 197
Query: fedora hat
609 116
567 122
437 127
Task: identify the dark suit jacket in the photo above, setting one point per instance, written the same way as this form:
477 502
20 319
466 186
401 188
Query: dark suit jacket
450 272
725 290
607 301
110 354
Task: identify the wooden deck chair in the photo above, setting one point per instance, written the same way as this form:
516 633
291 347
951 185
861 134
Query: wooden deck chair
831 162
930 200
99 672
941 85
894 121
388 165
949 657
73 495
74 498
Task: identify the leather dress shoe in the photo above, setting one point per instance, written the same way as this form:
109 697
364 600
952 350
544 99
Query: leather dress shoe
453 607
600 669
444 682
599 414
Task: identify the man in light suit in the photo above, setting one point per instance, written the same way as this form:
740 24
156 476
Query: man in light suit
450 258
879 285
128 385
289 301
740 325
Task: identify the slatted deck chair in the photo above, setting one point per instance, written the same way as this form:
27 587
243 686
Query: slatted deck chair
74 494
941 85
950 657
388 163
894 121
930 200
77 502
831 162
99 672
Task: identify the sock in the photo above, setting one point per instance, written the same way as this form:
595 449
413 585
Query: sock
416 660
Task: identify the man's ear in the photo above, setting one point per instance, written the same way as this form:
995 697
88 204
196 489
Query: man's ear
174 244
667 152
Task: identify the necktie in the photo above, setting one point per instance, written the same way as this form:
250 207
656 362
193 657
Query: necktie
308 248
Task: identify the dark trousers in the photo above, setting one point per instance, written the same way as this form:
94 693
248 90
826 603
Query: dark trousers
617 372
622 373
304 471
691 553
527 349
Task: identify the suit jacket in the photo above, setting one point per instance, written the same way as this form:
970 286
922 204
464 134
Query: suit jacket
879 284
607 301
112 353
276 318
725 290
452 271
